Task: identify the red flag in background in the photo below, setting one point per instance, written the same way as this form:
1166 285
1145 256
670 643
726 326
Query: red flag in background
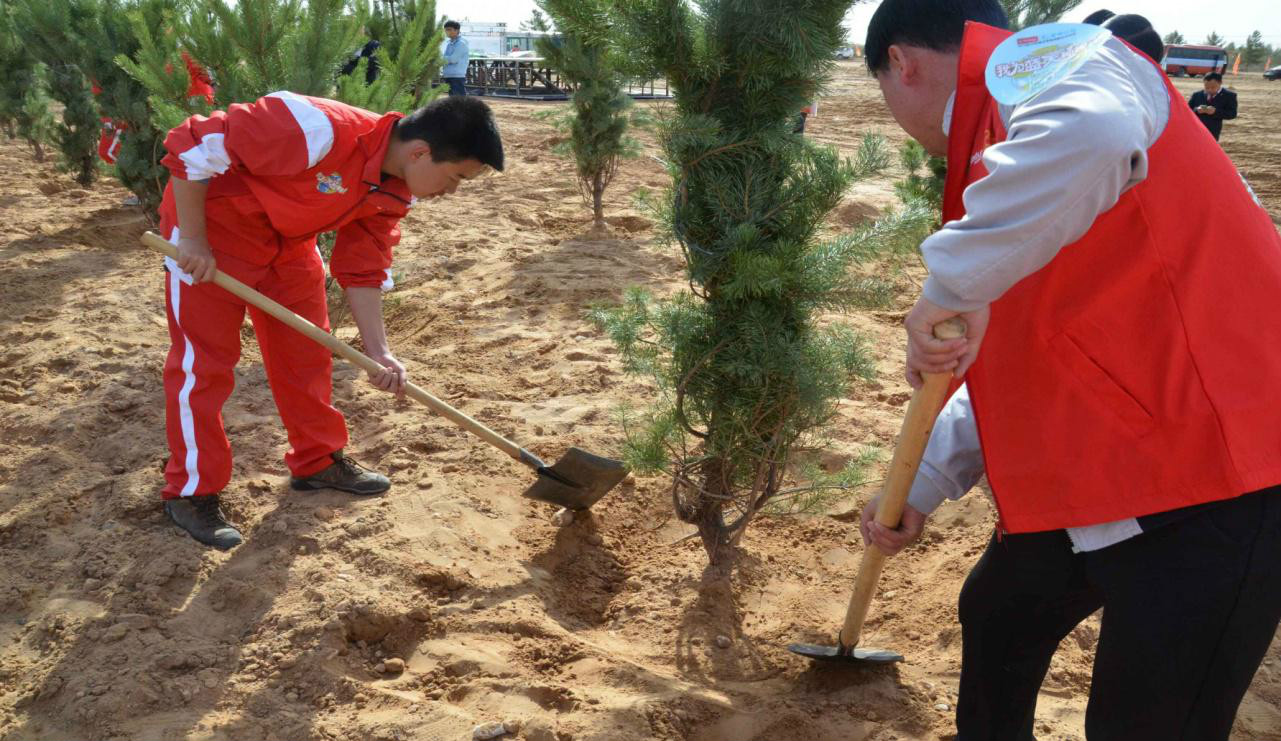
199 85
1236 66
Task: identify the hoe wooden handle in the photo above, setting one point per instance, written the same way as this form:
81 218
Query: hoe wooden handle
342 349
913 437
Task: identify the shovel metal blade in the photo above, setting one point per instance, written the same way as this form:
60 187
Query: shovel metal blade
577 481
838 655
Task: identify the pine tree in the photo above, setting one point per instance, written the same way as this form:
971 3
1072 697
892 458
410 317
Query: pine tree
24 98
1214 39
255 47
409 59
1255 51
745 370
378 24
925 178
537 22
157 66
586 58
95 33
43 28
117 35
35 122
1024 13
1174 37
15 60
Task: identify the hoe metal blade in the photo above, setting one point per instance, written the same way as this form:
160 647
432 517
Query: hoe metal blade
576 481
839 655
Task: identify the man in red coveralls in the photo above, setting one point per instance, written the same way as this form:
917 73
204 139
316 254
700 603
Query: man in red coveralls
252 187
1122 380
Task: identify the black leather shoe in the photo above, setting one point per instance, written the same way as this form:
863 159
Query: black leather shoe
202 517
344 475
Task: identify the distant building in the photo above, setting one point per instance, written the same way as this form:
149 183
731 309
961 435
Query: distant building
484 39
525 40
494 39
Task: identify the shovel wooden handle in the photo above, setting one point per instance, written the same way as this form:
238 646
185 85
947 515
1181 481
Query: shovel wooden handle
922 410
342 349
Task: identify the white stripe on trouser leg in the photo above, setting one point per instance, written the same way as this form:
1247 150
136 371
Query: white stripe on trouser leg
188 421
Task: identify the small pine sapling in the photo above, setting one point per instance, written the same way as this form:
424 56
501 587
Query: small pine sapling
42 27
24 99
745 369
587 58
35 122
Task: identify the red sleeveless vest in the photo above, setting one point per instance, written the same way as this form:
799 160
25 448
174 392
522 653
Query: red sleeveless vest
1140 370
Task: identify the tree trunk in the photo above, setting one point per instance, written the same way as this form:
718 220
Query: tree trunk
598 195
88 168
35 144
710 517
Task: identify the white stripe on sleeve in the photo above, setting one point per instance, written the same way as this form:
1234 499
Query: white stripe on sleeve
206 159
315 125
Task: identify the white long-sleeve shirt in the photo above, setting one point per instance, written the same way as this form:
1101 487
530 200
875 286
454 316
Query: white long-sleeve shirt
1069 155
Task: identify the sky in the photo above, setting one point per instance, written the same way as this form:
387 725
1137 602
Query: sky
1195 19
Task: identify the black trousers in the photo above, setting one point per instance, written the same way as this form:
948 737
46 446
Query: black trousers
457 85
1189 610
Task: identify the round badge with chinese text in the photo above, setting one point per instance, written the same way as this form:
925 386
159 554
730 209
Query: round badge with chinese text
1036 58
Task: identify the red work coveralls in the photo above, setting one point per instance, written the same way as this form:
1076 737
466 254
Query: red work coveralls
282 170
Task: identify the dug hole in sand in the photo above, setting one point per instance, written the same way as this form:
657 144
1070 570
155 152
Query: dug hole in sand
453 603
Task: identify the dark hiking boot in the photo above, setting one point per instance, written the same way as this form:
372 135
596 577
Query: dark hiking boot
344 475
204 520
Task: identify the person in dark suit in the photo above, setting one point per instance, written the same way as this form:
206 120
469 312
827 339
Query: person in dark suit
1215 104
368 51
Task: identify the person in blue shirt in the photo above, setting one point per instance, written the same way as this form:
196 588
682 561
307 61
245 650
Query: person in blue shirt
456 55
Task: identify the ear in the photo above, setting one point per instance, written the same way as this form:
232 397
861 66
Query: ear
904 64
419 149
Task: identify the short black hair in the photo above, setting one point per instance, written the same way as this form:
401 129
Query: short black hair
456 128
454 25
1099 17
1213 76
1139 32
933 24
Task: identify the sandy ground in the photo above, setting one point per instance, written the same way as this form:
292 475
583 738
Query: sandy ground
113 624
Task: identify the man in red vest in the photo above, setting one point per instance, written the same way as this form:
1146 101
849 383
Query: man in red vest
1122 381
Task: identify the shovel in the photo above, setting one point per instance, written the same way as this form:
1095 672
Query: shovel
576 481
915 434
